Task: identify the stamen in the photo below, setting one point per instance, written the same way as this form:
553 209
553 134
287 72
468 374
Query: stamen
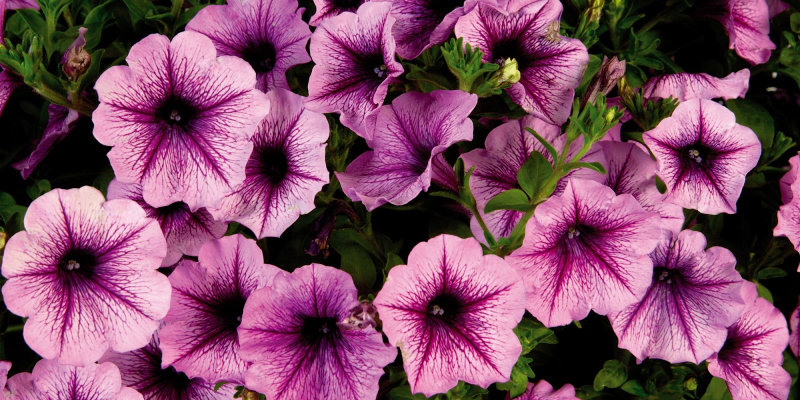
695 155
436 310
175 116
572 232
380 71
72 265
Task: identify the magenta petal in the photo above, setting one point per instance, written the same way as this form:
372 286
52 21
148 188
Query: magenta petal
685 86
747 24
354 56
703 156
199 336
794 338
296 335
789 178
5 366
179 119
51 380
269 34
284 172
789 218
408 134
586 250
542 390
7 85
452 311
60 124
695 296
750 361
424 23
84 273
326 9
776 7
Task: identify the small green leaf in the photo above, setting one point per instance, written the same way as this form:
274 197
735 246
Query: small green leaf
771 273
794 22
356 260
520 375
139 9
763 292
594 166
220 384
531 333
38 188
717 390
612 376
512 199
755 117
534 172
549 147
635 388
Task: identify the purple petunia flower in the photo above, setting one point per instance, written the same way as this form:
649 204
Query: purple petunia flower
84 274
285 171
685 314
51 380
354 56
789 216
452 311
542 390
269 34
685 86
424 23
179 119
703 156
629 169
199 337
298 336
776 7
7 84
62 121
326 9
141 370
794 337
789 178
551 65
507 148
5 366
747 24
750 361
408 134
184 230
586 250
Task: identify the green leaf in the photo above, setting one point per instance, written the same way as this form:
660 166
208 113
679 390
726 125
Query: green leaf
520 375
531 333
9 208
534 173
512 199
356 260
594 166
771 273
549 147
635 388
717 390
139 9
38 188
219 384
763 292
612 376
755 117
794 22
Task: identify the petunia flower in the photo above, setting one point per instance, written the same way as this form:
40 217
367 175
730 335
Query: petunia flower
684 86
184 230
297 334
789 213
703 156
141 370
424 23
794 337
776 7
452 312
51 380
542 390
586 250
326 9
693 299
408 133
179 119
747 24
60 123
5 366
7 85
284 172
199 337
629 169
750 361
84 273
507 148
269 34
354 64
551 65
789 178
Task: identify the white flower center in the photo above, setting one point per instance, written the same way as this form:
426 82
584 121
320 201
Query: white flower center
572 232
175 116
380 71
694 154
72 265
436 310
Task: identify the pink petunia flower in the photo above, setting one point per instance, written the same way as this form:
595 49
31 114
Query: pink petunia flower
84 273
747 24
586 250
51 380
269 34
200 336
542 390
62 121
424 23
452 311
703 156
684 86
794 337
326 9
179 119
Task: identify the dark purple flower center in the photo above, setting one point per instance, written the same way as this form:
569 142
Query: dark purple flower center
177 112
77 262
577 231
445 307
696 155
347 5
167 383
511 48
665 275
274 164
168 213
443 7
261 56
230 309
374 66
316 330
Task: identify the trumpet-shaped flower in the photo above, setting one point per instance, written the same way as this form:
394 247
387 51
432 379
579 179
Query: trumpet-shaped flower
542 390
747 24
51 380
684 86
60 124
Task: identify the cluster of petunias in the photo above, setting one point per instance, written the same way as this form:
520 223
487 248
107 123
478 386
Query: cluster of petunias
205 131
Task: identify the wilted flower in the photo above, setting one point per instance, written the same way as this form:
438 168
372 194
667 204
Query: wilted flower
354 64
62 121
586 250
551 66
542 390
684 86
51 380
611 71
284 172
141 370
750 361
179 119
199 337
294 335
408 134
76 59
703 156
269 34
747 24
695 296
84 274
424 23
452 311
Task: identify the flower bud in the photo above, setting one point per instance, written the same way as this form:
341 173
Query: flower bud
611 71
507 75
76 59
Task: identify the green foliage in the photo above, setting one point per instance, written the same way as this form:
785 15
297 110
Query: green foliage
465 62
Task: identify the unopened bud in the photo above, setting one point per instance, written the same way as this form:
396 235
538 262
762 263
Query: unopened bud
690 384
595 10
611 71
611 114
361 316
76 59
249 395
507 75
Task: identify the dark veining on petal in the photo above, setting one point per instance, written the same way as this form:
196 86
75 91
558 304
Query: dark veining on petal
347 5
261 56
511 48
177 112
274 164
177 210
317 330
229 310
